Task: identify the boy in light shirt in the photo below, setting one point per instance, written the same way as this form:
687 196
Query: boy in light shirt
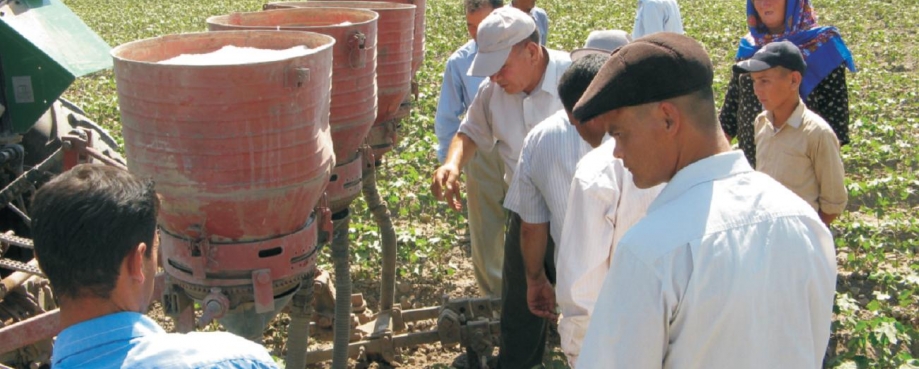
793 144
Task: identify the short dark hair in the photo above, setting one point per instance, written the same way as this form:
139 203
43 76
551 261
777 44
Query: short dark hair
86 221
577 78
474 5
699 105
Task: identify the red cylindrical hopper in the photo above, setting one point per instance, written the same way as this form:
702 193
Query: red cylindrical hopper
418 43
239 152
395 34
354 99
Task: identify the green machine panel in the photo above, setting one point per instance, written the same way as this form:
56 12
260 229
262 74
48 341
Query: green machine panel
44 47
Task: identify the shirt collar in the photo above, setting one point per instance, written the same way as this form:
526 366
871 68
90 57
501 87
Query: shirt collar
794 120
549 82
706 170
83 336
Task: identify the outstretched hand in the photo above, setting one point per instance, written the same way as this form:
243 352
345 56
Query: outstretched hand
541 298
446 186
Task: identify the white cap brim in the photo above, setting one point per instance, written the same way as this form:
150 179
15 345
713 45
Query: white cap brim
487 64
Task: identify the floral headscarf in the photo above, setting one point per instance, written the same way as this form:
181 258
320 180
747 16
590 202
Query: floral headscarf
822 47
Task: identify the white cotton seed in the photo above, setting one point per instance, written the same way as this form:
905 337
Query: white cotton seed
233 55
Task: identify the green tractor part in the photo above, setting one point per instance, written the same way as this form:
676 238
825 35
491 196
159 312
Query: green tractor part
44 47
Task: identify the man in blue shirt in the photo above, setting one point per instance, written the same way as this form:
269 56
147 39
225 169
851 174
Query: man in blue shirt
539 15
657 16
96 240
485 172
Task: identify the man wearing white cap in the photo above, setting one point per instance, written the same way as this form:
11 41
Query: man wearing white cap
485 172
539 191
521 92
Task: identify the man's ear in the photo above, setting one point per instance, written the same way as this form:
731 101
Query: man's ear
796 79
135 262
533 50
673 118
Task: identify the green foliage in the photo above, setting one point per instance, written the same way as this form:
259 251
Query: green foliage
876 320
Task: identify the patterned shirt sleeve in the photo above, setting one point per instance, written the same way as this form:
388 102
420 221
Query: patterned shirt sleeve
728 115
830 100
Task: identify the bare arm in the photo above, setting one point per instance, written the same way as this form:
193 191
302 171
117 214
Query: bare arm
827 218
445 185
540 294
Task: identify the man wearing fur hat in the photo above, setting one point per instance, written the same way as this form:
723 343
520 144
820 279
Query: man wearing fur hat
728 269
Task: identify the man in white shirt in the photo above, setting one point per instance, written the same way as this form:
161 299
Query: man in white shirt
728 269
601 202
521 92
539 191
657 16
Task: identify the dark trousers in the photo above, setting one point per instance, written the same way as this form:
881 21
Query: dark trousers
523 335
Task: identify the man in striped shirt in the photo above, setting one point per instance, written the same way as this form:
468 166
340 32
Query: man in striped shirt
521 92
539 191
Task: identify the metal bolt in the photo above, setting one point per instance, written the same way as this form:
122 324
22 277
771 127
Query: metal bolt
263 278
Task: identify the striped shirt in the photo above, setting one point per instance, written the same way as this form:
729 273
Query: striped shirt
603 204
539 192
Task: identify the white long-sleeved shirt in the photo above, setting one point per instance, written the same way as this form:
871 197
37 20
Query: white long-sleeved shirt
498 120
602 204
657 16
729 269
539 192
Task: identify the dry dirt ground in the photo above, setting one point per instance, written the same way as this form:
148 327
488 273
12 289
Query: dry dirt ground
411 293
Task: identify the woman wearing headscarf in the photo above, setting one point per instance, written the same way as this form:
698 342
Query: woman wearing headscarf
823 87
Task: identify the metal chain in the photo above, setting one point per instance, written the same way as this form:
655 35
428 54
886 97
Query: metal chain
20 267
16 241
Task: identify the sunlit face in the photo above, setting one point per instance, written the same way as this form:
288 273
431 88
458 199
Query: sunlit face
591 131
524 5
642 143
517 73
772 14
774 87
473 19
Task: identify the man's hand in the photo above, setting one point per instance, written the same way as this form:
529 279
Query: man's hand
541 298
446 185
827 218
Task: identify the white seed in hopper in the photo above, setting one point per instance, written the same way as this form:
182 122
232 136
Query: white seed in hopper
233 55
